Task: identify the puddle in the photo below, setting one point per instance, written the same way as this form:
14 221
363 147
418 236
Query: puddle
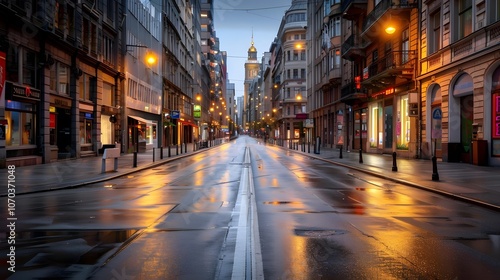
489 246
92 245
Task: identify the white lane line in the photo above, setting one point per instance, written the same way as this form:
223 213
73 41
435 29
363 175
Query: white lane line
247 262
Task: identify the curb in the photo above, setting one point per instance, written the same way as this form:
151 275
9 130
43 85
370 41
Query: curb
407 183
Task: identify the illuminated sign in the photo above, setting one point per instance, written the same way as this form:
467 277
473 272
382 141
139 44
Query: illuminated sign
197 111
496 116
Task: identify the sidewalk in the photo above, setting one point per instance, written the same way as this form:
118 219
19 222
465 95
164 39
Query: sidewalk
476 184
73 173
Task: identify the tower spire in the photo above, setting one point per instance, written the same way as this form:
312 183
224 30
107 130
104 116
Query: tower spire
252 36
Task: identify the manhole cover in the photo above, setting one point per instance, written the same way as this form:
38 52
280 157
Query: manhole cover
318 232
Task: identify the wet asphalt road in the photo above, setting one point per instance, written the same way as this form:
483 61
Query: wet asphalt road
315 221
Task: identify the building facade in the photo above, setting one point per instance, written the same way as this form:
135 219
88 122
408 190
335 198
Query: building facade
63 73
290 55
459 80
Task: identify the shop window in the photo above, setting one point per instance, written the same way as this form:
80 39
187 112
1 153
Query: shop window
86 130
402 124
376 126
20 129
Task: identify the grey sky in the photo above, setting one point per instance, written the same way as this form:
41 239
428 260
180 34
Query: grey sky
234 21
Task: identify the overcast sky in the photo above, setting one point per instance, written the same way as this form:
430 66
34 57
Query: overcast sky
234 21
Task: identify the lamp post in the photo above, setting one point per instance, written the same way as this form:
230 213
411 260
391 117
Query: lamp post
220 124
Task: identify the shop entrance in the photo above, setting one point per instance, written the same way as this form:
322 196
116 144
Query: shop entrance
63 127
388 131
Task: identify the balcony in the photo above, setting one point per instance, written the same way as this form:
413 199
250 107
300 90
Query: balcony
384 71
353 93
352 9
353 48
400 9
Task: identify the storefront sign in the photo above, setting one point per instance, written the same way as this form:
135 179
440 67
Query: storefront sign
388 91
24 92
62 103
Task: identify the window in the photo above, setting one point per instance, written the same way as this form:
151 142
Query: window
59 78
59 17
493 8
302 55
464 18
108 94
21 126
85 87
108 48
110 10
295 73
86 128
434 32
86 33
70 23
405 46
29 68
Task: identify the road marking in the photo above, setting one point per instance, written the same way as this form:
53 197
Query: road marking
247 262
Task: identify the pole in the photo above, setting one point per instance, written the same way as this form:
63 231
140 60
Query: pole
136 145
394 165
435 175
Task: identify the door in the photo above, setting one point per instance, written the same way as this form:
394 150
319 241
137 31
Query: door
466 119
388 128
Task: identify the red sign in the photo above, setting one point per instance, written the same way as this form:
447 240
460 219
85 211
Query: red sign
496 116
2 72
52 121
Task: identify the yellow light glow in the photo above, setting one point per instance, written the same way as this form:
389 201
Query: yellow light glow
390 29
150 59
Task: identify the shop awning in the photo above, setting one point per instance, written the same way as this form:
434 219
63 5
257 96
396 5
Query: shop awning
141 120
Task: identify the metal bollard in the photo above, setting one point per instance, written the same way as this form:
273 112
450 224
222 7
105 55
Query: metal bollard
435 175
161 152
135 160
341 148
394 165
169 155
360 156
185 147
176 149
153 154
